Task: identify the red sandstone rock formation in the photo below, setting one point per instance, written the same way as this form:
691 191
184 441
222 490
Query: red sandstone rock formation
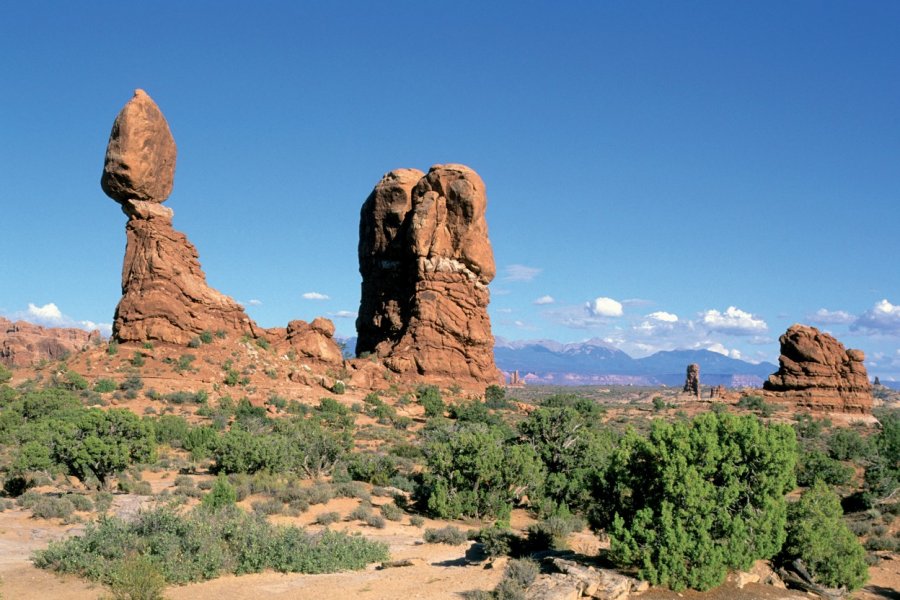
25 344
426 262
816 372
692 380
164 292
165 296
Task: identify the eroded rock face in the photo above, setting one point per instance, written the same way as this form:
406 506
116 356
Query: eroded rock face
165 296
140 156
24 344
817 372
431 317
388 273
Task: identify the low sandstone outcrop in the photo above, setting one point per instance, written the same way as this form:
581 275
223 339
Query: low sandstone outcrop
426 261
818 373
25 344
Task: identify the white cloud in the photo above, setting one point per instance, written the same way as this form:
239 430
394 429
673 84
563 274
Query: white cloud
720 349
254 302
504 311
604 307
316 296
520 273
544 300
733 321
663 316
48 313
344 314
883 318
824 316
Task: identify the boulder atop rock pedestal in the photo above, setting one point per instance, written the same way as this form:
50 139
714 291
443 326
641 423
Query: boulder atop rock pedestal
25 344
164 292
816 372
140 156
426 260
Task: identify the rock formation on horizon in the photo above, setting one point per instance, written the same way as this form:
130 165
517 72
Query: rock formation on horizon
165 296
692 380
25 344
426 261
816 372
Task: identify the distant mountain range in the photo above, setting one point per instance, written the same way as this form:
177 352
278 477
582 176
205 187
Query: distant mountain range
598 363
595 362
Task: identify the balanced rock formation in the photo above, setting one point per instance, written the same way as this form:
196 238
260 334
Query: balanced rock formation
165 296
426 261
692 380
164 292
816 372
25 344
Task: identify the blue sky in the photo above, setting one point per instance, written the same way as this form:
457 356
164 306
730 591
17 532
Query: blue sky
731 165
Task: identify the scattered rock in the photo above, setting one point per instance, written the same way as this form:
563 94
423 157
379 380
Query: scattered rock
816 372
404 562
584 580
25 344
140 157
426 262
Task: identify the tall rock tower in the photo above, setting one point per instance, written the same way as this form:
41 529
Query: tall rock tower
426 262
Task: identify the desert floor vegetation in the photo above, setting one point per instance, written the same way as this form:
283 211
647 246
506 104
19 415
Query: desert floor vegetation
242 486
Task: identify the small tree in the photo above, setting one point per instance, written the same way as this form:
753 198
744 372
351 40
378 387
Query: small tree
221 494
476 472
697 498
818 536
430 397
100 443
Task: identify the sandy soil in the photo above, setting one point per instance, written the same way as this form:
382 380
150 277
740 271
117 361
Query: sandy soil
438 571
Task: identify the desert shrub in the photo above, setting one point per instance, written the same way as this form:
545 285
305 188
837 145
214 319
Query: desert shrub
137 360
97 443
847 444
430 398
338 387
80 502
756 403
450 535
327 518
573 449
195 342
477 472
659 404
352 489
518 576
376 469
112 348
171 429
202 544
137 578
495 397
207 337
587 408
882 477
376 521
268 507
184 397
131 385
104 386
552 532
817 535
391 512
497 540
696 498
417 521
49 507
5 374
816 465
473 411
